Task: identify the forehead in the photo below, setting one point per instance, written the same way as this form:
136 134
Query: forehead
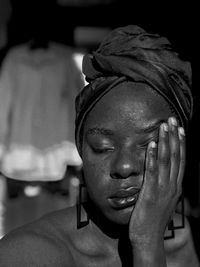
129 103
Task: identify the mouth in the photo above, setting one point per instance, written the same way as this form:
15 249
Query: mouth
124 198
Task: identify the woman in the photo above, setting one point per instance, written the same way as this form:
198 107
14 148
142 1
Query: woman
130 132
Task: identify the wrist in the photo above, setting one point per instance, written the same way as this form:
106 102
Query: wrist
149 254
150 241
151 245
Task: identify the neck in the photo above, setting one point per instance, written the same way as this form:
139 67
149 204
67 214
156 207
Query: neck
114 232
111 229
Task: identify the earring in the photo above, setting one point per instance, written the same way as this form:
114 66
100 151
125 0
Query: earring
82 198
171 226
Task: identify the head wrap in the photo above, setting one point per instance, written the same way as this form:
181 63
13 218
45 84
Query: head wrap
130 53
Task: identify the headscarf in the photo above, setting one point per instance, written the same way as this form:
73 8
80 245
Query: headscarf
131 54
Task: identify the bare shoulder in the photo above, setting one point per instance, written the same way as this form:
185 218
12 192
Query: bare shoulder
45 242
54 240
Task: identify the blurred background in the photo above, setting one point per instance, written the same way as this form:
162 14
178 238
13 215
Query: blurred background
41 48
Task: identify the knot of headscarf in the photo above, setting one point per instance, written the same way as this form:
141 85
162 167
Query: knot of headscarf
131 53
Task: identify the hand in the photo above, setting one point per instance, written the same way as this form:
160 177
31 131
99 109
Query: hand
162 186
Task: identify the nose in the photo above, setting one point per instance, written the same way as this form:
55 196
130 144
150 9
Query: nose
127 164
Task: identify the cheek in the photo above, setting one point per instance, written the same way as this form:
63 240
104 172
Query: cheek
95 175
97 179
93 166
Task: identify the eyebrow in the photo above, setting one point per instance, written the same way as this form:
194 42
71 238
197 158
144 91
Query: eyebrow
99 131
107 132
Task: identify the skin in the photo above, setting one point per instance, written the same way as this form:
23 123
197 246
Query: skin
117 153
116 159
117 146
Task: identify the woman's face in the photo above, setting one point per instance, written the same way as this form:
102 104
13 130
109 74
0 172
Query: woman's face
116 134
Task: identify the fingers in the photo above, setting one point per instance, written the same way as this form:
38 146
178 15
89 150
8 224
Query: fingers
151 172
181 133
174 145
151 162
177 154
165 163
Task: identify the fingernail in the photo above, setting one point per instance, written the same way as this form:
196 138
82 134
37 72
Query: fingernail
165 127
153 144
181 132
173 121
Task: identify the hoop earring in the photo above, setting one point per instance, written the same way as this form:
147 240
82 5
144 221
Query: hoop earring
171 226
82 198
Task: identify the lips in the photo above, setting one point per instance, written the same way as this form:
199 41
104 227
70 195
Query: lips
124 198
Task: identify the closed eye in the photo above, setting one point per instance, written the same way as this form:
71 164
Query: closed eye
102 150
154 137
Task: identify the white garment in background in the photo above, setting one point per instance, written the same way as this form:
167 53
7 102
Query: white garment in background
2 201
37 112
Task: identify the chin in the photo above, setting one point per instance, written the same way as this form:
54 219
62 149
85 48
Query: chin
121 217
